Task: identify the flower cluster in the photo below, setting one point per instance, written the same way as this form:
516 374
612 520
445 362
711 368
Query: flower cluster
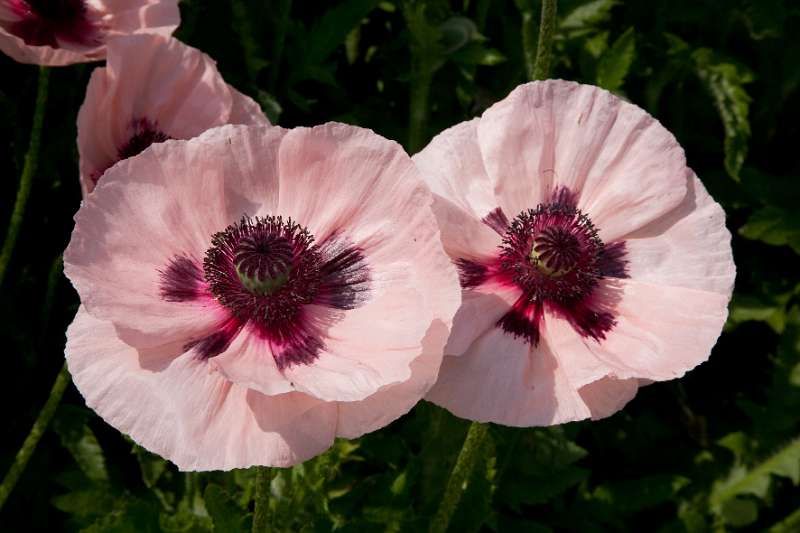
249 293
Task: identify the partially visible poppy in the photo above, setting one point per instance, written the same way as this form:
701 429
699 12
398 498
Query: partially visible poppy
591 257
62 32
152 89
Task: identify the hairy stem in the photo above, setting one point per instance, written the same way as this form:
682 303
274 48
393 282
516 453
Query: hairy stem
28 171
476 437
264 475
544 49
29 446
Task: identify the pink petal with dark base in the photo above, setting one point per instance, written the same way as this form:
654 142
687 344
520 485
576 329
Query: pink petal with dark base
51 33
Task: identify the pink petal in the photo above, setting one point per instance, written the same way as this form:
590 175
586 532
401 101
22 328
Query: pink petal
117 17
661 333
502 380
606 396
688 247
138 16
176 195
184 410
412 288
452 167
173 88
626 168
335 176
390 402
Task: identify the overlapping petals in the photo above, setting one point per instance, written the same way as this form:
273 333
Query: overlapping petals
153 88
50 33
214 386
652 297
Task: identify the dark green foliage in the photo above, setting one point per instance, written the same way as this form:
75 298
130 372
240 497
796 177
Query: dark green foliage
717 451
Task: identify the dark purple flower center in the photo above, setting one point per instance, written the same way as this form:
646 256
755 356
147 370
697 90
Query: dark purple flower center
52 22
266 272
143 134
555 257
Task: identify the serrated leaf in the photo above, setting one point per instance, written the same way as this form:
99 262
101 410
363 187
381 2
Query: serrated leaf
725 82
725 498
75 436
616 61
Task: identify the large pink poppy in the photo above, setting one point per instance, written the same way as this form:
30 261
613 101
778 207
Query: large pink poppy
152 88
590 256
62 32
252 293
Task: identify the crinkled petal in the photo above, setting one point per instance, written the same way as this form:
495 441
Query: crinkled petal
661 332
393 401
166 202
184 410
113 17
626 168
689 247
155 83
501 379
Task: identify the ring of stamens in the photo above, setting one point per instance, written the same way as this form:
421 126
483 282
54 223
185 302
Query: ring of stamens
552 253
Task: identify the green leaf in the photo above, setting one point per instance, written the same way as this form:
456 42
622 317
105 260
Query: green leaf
151 465
332 28
774 225
587 15
75 435
227 516
725 498
614 64
725 82
631 496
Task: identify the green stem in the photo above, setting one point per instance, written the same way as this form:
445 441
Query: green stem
544 48
264 475
418 110
28 171
29 446
476 438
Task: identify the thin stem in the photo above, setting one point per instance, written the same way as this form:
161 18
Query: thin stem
476 437
544 49
29 446
264 475
28 171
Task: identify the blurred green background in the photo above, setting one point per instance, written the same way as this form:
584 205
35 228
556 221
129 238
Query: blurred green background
715 451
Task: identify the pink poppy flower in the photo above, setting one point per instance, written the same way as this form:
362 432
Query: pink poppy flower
152 89
252 293
590 256
63 32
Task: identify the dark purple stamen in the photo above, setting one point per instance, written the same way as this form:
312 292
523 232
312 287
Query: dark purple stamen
52 22
265 272
555 257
